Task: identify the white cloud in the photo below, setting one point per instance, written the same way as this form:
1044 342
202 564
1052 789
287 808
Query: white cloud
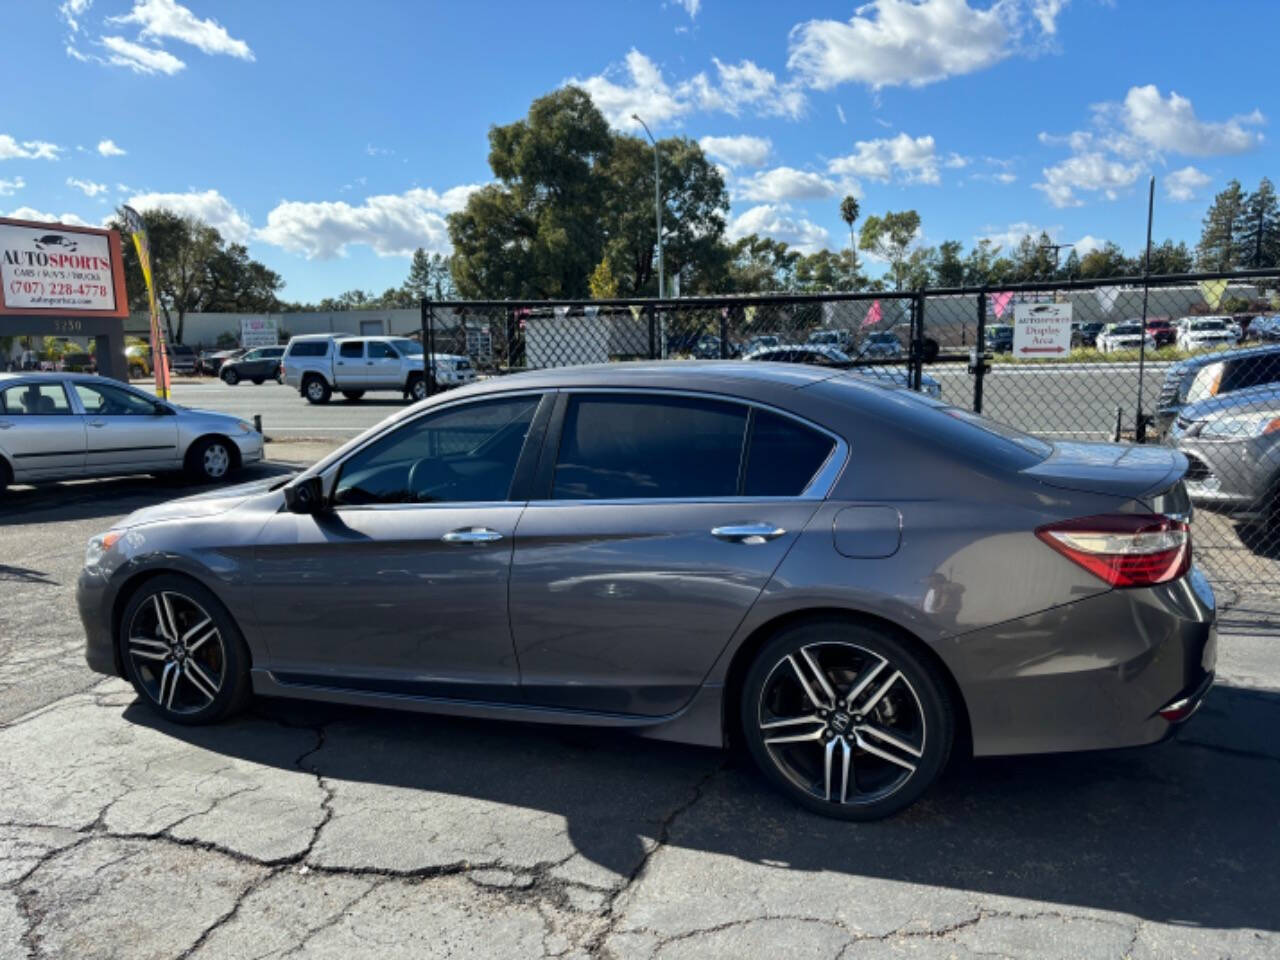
209 205
108 148
11 149
745 84
165 19
71 10
1092 172
30 213
1170 124
139 59
1182 185
914 42
911 159
955 161
1002 176
1087 244
87 187
391 224
785 183
639 88
780 222
840 114
691 7
9 187
738 151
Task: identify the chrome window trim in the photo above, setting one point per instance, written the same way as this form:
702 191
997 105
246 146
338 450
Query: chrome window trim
820 484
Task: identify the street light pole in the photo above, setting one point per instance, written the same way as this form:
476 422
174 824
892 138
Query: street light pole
657 200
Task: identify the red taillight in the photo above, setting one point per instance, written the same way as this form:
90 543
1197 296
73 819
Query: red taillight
1125 550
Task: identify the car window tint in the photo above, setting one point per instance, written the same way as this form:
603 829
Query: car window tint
309 348
1250 372
34 400
465 453
379 350
252 355
351 349
783 456
105 401
620 447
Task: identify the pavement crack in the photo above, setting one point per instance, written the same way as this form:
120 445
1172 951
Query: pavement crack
229 915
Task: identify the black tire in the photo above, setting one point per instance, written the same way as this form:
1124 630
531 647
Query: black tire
211 460
259 381
6 475
316 390
416 389
353 395
915 709
174 678
230 377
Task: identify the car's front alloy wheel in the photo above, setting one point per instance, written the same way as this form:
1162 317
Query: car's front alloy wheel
847 719
182 653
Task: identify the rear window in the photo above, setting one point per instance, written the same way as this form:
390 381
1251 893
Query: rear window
309 348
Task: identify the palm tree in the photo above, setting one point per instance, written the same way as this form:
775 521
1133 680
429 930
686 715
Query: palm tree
849 213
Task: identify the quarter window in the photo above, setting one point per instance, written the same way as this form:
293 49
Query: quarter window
620 447
34 400
783 456
466 453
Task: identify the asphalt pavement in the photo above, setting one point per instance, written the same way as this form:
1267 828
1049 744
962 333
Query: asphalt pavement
320 831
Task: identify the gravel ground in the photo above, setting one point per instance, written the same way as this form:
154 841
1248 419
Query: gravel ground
334 832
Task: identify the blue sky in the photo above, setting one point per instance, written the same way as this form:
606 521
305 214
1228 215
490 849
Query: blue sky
333 138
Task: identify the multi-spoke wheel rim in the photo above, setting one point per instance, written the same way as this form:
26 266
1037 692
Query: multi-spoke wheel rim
216 460
842 723
314 390
177 652
419 389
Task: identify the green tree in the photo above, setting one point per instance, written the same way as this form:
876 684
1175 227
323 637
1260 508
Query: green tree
1258 239
849 211
1107 261
824 271
236 283
890 238
1033 259
1170 257
1219 234
181 248
761 265
984 266
949 267
603 284
430 276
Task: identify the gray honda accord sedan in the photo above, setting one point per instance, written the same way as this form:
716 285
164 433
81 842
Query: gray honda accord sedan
852 579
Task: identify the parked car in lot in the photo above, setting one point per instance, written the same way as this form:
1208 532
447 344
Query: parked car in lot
1265 329
258 365
791 556
1116 337
1162 331
999 338
880 344
1232 443
210 362
1082 334
840 339
60 426
707 347
1205 333
319 364
761 340
79 363
182 359
1214 375
822 356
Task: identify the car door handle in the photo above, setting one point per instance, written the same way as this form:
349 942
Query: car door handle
97 423
472 535
749 533
5 424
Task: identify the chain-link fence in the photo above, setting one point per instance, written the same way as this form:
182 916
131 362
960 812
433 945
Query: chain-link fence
1072 361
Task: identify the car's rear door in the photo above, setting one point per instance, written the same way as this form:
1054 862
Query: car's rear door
401 587
657 530
40 435
348 366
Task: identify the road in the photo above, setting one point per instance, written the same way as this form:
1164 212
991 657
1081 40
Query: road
334 832
1060 400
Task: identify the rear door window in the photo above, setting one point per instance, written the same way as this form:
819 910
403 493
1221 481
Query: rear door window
616 447
783 456
351 349
34 400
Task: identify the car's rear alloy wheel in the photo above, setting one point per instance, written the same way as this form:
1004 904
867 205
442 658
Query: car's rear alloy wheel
182 652
846 719
316 390
230 377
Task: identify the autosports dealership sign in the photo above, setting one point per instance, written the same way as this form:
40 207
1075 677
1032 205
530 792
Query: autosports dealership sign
60 269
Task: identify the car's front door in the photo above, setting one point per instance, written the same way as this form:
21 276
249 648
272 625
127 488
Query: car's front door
40 435
401 586
664 518
126 431
382 364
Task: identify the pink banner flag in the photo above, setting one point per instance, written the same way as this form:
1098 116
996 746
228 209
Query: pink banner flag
873 315
1000 302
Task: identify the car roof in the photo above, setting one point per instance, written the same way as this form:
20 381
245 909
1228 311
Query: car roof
1195 363
53 375
1262 398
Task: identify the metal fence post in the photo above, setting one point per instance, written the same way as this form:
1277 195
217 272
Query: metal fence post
917 342
653 332
724 333
979 351
429 345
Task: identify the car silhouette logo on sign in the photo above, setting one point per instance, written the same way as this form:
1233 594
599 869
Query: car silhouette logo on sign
55 241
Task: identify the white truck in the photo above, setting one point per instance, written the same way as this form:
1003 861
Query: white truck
318 365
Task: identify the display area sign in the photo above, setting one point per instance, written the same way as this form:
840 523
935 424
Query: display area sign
1041 330
60 270
259 332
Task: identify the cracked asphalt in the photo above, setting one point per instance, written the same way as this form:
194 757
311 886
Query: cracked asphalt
316 831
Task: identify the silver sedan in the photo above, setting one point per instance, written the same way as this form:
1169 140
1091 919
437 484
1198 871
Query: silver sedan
60 426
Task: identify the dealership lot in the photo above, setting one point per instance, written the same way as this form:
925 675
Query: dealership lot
358 832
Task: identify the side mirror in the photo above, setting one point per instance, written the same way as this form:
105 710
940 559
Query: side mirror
305 496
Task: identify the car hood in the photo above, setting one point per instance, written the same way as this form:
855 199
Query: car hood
202 505
1258 399
1110 468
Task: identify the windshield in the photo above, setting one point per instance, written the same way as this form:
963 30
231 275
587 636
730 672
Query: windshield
1127 329
409 348
1208 325
882 338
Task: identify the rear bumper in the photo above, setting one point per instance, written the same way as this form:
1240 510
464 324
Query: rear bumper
1090 675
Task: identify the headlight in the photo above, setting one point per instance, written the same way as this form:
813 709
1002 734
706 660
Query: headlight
99 545
1242 427
244 426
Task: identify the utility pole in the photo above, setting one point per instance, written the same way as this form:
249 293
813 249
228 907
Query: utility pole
657 201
